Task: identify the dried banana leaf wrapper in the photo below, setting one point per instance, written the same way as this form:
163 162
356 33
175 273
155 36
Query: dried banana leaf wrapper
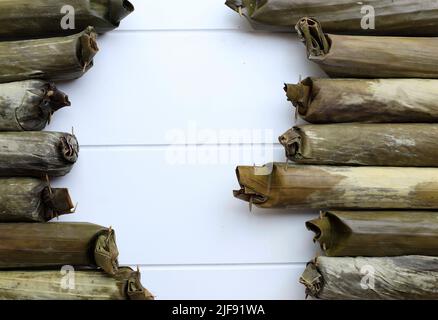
390 278
37 154
32 200
404 145
52 59
323 101
392 17
29 105
369 57
45 245
376 233
281 185
74 285
44 18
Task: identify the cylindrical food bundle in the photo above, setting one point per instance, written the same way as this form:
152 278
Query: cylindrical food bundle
32 200
328 187
389 17
46 18
390 278
404 145
376 233
67 284
52 59
323 101
37 154
29 105
45 245
369 57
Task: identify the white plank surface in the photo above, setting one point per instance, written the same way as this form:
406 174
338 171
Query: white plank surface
183 15
266 282
145 86
178 97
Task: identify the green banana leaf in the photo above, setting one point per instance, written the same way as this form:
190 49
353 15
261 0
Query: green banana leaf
29 105
37 154
282 185
397 145
72 285
387 278
376 233
51 59
324 101
43 18
369 57
48 245
392 17
32 200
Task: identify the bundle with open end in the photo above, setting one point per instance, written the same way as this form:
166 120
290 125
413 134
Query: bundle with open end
404 145
29 105
49 245
52 59
391 17
46 18
323 101
36 154
386 278
125 284
282 185
367 56
376 233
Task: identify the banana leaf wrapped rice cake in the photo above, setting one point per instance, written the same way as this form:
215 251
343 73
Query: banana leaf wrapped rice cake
324 101
367 56
50 245
408 145
125 284
32 200
46 17
51 59
376 233
392 17
37 154
389 278
29 105
282 185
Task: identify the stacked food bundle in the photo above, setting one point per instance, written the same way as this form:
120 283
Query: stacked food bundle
369 156
41 260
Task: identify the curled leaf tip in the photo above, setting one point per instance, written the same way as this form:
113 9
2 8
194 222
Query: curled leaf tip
54 99
235 5
106 253
89 47
310 32
58 202
312 280
135 289
291 140
69 148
